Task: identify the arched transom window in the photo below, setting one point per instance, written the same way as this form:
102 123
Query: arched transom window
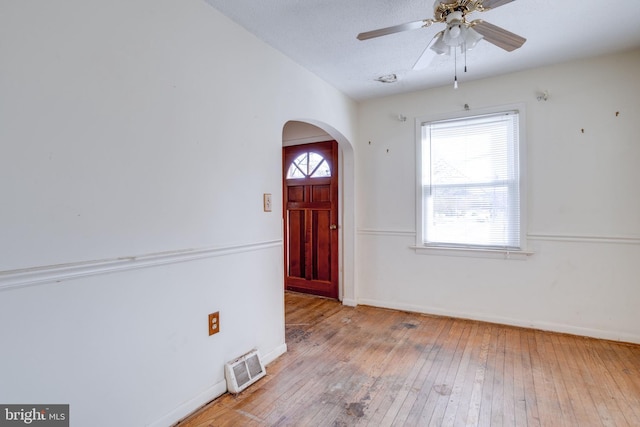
309 165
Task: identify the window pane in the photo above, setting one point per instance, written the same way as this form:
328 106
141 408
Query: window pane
294 172
318 166
471 182
309 165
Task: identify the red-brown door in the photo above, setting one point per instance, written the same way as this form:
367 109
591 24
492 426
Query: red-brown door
310 195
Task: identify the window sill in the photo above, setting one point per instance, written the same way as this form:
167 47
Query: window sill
473 253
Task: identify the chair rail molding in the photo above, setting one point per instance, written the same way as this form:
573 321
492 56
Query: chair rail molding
585 238
11 279
382 232
548 236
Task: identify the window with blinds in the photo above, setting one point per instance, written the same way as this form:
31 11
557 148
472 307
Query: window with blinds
470 171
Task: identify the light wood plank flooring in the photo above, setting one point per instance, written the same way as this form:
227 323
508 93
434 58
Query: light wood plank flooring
375 367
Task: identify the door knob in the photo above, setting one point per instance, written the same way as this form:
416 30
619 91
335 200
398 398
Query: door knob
333 227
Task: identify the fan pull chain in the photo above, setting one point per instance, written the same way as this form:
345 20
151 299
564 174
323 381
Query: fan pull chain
455 71
465 56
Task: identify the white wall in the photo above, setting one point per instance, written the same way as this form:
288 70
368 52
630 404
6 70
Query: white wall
296 133
583 205
137 139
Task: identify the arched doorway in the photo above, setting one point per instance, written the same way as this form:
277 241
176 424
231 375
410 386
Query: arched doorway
310 208
302 132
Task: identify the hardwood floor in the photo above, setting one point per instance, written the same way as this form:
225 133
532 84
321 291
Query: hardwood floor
367 366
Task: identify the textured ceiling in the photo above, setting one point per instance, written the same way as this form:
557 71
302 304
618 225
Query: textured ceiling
320 35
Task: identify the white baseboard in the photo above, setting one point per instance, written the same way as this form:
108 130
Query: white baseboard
540 325
208 395
189 407
349 302
273 355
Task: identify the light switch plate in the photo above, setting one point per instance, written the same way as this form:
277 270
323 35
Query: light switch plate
266 201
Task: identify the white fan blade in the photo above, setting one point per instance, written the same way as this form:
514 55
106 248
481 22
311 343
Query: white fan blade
425 58
395 29
492 4
498 36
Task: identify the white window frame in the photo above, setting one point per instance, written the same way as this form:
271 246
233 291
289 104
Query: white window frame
421 247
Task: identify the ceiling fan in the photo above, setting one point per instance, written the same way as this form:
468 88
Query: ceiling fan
459 32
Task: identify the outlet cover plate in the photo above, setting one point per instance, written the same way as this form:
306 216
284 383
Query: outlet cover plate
214 323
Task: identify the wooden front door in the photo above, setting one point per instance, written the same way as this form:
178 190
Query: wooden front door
310 195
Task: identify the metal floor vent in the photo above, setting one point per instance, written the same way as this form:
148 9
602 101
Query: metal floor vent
244 371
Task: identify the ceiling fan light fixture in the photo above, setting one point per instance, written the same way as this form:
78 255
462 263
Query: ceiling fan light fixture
471 38
454 32
458 33
439 46
455 16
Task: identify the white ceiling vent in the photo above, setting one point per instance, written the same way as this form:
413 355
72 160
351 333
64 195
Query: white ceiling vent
244 371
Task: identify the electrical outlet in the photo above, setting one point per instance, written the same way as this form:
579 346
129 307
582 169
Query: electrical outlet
214 323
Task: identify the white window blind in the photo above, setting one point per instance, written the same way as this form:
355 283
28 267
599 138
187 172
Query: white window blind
471 182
